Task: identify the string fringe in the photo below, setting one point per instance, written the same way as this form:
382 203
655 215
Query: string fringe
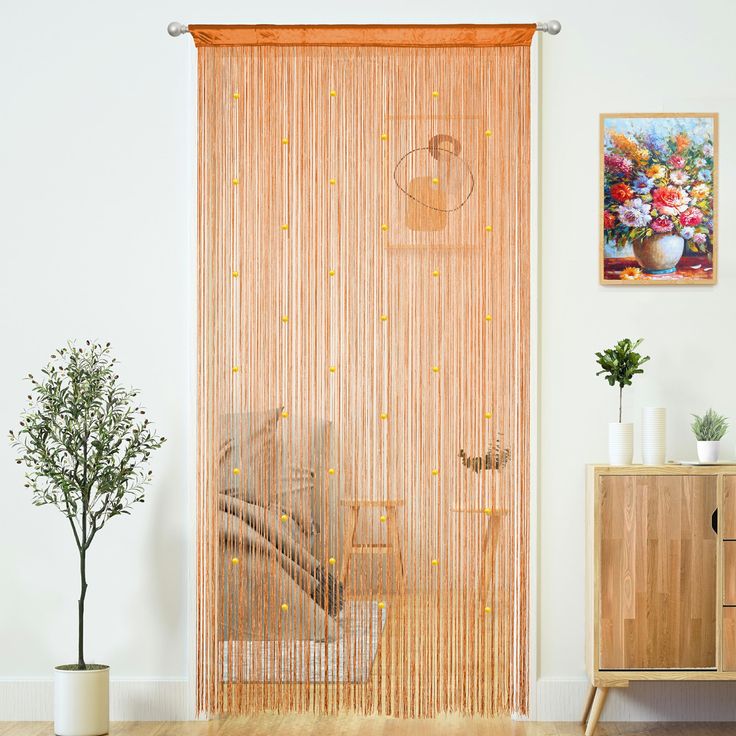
363 466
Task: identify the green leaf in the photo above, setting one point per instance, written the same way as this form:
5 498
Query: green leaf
84 449
711 427
620 363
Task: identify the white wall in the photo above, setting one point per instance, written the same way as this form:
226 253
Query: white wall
94 231
96 237
677 57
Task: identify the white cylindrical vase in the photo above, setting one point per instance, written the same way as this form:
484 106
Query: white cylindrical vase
620 443
82 701
653 435
708 451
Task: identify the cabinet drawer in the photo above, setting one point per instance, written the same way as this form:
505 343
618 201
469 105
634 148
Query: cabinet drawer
729 639
729 573
728 520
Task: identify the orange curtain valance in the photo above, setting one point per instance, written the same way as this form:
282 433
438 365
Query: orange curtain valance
364 35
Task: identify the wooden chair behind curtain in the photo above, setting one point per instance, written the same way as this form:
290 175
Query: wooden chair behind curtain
363 337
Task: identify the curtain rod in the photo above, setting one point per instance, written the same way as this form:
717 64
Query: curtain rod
553 27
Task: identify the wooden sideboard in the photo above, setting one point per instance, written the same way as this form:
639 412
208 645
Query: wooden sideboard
661 576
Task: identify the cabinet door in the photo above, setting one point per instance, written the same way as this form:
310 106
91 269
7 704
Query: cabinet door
728 515
729 573
657 572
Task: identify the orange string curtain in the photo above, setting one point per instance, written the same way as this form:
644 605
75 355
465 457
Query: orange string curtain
363 436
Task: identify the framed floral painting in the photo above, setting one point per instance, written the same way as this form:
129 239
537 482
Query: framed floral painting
658 186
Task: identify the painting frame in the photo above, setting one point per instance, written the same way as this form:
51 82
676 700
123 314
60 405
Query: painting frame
647 278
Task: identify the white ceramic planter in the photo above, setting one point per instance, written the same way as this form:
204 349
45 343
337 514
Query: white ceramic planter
708 451
81 702
620 443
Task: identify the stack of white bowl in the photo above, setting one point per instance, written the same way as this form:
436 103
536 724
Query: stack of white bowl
653 435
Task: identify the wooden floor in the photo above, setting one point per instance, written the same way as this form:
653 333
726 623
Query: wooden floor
308 725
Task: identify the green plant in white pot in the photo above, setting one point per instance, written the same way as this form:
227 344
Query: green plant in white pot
709 430
85 443
619 365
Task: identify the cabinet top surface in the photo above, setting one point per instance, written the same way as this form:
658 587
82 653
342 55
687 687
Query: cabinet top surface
668 469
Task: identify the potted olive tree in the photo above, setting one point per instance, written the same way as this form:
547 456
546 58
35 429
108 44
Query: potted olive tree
709 430
85 443
619 365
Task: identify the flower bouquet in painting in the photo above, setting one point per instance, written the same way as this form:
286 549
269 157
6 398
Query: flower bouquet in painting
658 198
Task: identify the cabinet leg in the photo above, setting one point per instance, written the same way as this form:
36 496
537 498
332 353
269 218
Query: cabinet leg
588 704
597 708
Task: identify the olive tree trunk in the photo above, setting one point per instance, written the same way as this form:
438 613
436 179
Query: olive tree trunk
82 594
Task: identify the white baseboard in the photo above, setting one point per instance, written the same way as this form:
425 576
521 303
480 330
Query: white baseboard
563 700
135 699
131 699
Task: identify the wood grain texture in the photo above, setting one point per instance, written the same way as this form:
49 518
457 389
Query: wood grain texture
728 510
621 678
658 573
729 640
729 573
271 724
588 704
596 710
668 469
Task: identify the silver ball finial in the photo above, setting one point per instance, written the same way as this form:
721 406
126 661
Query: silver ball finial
175 29
553 27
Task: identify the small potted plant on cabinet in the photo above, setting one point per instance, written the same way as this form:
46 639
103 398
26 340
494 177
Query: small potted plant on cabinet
619 365
85 443
709 430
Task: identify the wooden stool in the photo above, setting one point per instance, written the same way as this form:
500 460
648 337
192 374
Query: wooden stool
489 543
392 547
